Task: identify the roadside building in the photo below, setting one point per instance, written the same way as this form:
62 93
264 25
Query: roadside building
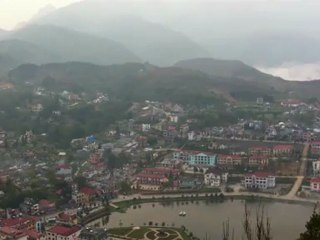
150 182
315 148
195 158
229 160
259 180
316 167
62 232
258 161
215 177
260 150
283 150
315 184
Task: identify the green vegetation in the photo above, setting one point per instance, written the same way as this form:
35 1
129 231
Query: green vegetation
312 227
138 233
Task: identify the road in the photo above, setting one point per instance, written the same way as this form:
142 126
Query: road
293 192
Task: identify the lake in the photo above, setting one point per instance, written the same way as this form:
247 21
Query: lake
206 218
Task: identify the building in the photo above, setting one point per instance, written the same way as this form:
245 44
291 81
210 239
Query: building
12 233
316 167
196 158
150 182
258 161
315 184
214 178
22 223
161 171
261 150
93 234
229 160
282 149
259 180
84 197
315 148
145 127
61 232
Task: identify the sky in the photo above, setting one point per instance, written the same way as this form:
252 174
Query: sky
14 12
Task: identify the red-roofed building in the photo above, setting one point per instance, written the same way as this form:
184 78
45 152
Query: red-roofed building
229 160
19 223
258 161
45 205
12 233
315 148
261 150
150 182
161 171
260 180
85 196
65 218
283 149
315 184
60 232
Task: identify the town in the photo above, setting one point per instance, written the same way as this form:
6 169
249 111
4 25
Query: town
54 191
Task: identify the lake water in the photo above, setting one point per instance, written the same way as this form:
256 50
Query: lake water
206 218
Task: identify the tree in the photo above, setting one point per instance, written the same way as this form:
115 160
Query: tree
312 227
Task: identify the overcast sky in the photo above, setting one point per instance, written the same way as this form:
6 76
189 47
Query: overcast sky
13 12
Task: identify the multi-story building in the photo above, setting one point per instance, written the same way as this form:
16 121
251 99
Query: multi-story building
229 160
282 149
315 148
258 161
214 178
150 182
260 180
62 232
316 167
196 158
261 150
315 184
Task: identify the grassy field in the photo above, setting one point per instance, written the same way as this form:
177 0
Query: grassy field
150 233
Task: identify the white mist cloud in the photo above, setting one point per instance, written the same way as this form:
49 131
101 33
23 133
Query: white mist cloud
295 71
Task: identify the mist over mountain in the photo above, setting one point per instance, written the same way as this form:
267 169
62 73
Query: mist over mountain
44 44
152 42
224 68
176 30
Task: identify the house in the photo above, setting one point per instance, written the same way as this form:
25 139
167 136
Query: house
315 184
316 167
161 171
229 160
21 223
12 233
283 149
150 182
259 180
315 148
292 103
64 170
258 161
145 127
67 219
260 150
214 178
61 232
173 118
37 107
84 197
46 206
196 158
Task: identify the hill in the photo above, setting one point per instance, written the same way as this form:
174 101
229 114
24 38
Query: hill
224 68
135 81
71 45
150 41
16 52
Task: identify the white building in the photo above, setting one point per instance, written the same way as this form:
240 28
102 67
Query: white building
173 118
214 178
145 127
316 167
191 136
260 180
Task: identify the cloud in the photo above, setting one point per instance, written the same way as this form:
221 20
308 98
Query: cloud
295 71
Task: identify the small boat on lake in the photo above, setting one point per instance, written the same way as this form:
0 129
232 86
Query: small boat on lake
182 214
